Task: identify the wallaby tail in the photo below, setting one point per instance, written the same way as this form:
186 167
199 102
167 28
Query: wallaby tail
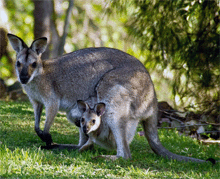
151 133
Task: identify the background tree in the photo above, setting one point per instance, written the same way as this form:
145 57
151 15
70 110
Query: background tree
69 25
45 26
178 41
183 38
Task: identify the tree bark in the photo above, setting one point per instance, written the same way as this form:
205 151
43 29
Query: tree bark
45 26
65 28
42 22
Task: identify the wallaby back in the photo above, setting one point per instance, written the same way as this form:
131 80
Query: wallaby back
75 75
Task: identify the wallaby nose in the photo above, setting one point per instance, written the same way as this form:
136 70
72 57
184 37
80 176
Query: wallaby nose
24 79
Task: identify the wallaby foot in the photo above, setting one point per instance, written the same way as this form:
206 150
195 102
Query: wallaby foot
211 160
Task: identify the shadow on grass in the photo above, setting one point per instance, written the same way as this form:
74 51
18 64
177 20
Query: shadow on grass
16 108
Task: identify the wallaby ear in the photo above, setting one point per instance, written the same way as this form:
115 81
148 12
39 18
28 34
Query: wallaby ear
100 109
16 42
39 45
82 106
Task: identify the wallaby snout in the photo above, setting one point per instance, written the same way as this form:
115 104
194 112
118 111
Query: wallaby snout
24 76
91 125
24 79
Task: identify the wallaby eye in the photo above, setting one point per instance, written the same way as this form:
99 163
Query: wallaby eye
34 65
93 121
18 64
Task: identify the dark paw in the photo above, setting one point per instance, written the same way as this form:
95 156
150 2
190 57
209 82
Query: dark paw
45 137
211 160
48 139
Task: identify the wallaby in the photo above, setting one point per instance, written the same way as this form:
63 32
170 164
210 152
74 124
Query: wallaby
117 79
92 125
98 130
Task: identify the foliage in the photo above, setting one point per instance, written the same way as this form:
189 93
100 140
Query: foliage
178 41
5 68
20 14
183 37
21 157
89 24
20 17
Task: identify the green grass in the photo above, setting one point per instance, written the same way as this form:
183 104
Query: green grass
21 156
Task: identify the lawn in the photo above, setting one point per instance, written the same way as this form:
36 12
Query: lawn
21 156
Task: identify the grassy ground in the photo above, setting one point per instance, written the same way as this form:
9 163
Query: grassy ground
21 156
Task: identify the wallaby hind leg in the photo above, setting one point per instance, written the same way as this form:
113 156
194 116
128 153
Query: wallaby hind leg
118 128
119 133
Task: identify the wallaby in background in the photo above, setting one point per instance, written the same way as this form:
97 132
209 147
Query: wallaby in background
117 79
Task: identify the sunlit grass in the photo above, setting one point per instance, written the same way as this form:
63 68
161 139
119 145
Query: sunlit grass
21 156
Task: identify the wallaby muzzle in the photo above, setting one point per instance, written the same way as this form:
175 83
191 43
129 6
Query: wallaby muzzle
24 77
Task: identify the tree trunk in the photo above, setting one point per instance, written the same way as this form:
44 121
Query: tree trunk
42 22
65 28
45 26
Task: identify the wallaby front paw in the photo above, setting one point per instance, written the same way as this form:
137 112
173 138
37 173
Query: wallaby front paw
48 139
45 137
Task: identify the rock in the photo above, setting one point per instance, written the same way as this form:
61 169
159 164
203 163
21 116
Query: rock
191 125
175 124
200 130
163 105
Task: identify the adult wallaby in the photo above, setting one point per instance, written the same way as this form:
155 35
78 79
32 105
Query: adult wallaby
116 78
